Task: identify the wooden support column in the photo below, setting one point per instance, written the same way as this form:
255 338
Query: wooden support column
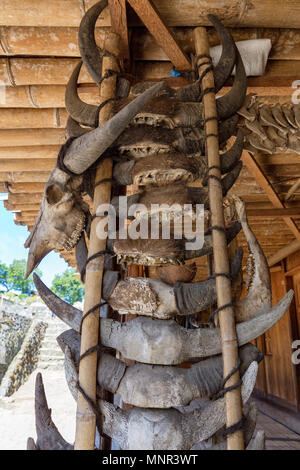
85 419
118 15
234 411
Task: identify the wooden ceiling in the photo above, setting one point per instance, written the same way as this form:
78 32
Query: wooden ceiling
38 47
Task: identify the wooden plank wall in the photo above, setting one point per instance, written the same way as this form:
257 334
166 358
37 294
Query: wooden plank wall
278 378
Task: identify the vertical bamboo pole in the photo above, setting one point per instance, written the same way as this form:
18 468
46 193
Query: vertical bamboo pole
85 417
233 400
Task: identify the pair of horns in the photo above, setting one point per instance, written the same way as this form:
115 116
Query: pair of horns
162 341
143 429
92 57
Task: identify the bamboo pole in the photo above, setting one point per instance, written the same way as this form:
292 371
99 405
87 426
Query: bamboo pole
233 400
85 420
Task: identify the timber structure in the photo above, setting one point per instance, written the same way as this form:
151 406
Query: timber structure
89 79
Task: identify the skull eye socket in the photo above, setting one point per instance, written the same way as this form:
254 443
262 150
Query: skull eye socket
53 194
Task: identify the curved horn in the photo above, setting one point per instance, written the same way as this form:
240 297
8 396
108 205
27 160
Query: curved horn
230 158
222 70
81 252
140 428
86 149
227 128
226 63
66 312
31 445
230 103
177 386
83 113
89 50
229 179
73 129
259 295
48 436
173 344
258 442
196 296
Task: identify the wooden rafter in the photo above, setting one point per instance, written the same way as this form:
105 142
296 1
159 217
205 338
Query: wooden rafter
286 212
162 34
265 184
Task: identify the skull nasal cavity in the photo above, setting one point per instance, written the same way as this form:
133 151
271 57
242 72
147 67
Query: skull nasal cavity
53 194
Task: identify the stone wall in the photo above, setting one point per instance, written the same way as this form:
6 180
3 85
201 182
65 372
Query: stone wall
26 359
22 328
14 323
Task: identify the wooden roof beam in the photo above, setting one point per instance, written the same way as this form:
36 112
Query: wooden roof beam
264 183
28 188
25 198
24 177
35 151
282 253
151 18
262 13
21 207
20 165
286 212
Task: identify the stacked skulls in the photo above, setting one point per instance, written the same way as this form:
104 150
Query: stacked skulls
156 139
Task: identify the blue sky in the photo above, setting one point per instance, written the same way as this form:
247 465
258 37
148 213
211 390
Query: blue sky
12 238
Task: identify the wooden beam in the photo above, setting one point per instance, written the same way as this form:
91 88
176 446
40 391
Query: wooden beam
63 41
287 250
287 212
31 137
17 188
25 177
45 96
21 207
24 198
118 16
163 36
279 73
144 46
43 151
19 165
16 71
24 217
22 118
263 181
261 13
43 41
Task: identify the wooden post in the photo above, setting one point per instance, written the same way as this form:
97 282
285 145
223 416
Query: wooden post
233 400
85 419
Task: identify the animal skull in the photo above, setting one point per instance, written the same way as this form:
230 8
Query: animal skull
61 219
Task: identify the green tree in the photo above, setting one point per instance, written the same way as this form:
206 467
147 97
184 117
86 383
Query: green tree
67 286
3 276
16 277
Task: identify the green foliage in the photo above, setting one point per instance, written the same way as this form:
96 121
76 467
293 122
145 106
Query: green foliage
12 277
3 275
67 286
